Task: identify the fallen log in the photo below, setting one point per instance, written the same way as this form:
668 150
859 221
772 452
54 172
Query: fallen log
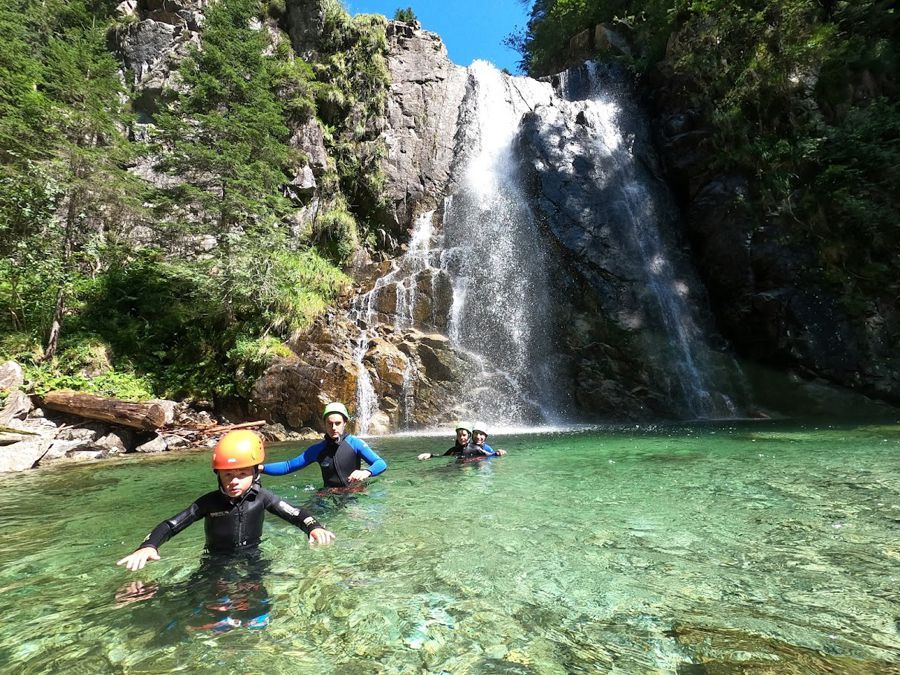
125 413
231 427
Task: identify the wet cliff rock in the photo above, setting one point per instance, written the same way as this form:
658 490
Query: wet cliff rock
641 333
423 105
294 391
770 297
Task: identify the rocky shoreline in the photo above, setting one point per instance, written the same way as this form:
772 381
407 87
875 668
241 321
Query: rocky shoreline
34 435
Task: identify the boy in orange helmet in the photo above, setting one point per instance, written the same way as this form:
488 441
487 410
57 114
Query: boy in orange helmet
234 513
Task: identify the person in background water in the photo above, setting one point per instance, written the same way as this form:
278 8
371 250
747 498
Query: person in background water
338 454
233 513
479 446
463 438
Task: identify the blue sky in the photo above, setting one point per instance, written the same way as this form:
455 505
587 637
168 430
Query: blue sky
471 29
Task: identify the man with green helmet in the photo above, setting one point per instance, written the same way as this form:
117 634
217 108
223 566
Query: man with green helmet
338 454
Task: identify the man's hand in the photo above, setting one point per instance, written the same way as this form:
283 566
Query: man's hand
424 455
359 475
500 451
139 558
321 536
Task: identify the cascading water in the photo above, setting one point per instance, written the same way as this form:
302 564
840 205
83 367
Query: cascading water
366 401
637 208
502 274
403 280
493 250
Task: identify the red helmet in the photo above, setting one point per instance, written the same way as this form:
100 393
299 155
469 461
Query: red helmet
238 450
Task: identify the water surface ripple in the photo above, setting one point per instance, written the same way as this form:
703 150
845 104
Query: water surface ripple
743 548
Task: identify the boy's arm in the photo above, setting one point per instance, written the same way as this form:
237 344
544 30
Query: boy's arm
148 550
499 452
297 516
307 457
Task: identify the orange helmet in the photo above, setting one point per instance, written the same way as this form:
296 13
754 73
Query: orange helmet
238 450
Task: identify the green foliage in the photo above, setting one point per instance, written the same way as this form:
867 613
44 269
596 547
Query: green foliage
47 376
336 232
352 86
83 364
63 182
206 312
407 15
250 357
276 8
228 133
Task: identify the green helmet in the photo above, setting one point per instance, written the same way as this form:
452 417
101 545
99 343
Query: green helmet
463 425
336 408
479 426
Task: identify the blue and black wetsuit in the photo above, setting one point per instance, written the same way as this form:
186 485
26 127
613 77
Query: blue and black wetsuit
474 451
337 459
232 524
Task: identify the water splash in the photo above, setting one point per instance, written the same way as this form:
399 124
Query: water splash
493 251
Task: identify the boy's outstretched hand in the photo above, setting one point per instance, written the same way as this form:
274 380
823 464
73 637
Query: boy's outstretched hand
320 536
139 558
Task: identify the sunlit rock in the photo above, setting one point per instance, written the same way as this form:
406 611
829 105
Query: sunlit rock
22 455
18 404
11 376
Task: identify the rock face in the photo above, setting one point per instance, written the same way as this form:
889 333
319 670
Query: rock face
11 376
768 297
642 337
594 333
305 21
158 37
423 106
18 405
22 455
293 392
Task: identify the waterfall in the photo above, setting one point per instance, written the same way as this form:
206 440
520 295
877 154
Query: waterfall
493 250
366 401
403 279
640 207
493 275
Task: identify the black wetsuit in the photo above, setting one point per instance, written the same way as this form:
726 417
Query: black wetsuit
232 525
338 459
455 450
468 451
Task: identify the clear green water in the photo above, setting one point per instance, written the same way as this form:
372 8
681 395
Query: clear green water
717 549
